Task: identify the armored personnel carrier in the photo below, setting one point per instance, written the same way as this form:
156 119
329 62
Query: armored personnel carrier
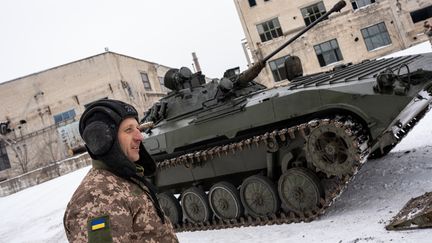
240 154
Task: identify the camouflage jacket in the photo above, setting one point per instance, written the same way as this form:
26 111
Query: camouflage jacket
108 208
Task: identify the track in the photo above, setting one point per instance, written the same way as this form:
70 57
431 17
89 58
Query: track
334 186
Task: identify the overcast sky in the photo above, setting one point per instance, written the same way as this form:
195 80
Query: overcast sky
36 35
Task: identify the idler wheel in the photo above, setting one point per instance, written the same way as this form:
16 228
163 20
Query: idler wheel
259 196
225 201
195 205
332 150
300 190
171 207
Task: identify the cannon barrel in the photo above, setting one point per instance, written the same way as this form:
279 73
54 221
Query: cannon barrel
252 72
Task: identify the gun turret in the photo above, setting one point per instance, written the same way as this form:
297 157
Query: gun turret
251 73
192 95
178 79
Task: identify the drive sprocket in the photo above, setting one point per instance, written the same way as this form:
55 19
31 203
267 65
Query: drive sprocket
332 147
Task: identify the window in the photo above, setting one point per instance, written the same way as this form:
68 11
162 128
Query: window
4 127
277 67
146 82
421 14
64 116
313 12
4 159
252 3
360 3
162 83
269 30
376 36
328 52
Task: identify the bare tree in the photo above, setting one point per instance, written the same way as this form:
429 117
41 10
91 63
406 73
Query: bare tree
20 150
49 147
22 156
50 141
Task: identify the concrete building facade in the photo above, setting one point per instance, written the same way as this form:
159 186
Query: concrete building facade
40 112
364 29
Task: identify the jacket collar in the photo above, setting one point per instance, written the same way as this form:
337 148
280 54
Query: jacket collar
97 164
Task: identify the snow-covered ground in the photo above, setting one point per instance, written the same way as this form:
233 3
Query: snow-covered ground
378 192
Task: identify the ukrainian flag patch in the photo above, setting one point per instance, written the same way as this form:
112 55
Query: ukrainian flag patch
98 223
98 229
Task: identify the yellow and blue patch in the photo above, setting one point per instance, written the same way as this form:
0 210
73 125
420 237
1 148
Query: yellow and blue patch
98 230
98 223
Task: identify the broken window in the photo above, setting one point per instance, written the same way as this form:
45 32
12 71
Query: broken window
269 30
277 67
328 52
313 12
252 3
360 3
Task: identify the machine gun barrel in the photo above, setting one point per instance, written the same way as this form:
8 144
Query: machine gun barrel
253 71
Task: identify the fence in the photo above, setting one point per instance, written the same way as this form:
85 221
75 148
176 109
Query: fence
41 175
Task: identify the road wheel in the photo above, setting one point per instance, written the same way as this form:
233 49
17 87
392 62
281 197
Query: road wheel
259 196
225 201
195 205
300 190
171 207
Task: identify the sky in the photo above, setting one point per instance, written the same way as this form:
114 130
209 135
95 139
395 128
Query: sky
37 35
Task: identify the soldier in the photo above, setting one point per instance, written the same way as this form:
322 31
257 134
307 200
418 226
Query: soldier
114 203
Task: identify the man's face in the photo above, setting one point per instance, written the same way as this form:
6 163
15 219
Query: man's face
129 137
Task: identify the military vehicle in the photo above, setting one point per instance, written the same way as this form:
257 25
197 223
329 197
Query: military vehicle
240 154
417 213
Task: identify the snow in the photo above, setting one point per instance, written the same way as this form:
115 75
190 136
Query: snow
423 47
379 191
36 214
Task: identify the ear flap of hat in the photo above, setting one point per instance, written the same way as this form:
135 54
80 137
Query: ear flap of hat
99 137
146 161
89 115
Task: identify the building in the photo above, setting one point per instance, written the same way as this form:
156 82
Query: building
364 29
40 112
